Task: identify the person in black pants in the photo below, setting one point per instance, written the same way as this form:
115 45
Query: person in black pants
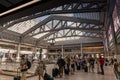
102 70
101 61
61 64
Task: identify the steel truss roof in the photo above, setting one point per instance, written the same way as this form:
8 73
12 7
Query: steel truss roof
82 23
96 6
89 23
43 5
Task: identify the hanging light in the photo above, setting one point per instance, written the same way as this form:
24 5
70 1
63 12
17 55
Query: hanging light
52 42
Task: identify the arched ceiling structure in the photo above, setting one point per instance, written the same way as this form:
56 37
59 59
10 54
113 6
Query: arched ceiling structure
59 21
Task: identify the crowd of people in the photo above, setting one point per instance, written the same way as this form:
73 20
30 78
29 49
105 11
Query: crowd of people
70 64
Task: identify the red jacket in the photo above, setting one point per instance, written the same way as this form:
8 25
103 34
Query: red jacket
101 61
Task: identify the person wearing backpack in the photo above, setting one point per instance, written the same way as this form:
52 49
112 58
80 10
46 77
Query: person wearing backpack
25 64
61 64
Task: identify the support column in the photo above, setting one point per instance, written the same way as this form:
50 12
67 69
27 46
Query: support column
40 55
35 53
81 45
18 53
105 50
81 50
108 52
62 51
114 37
44 52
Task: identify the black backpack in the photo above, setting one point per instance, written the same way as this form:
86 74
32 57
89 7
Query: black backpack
28 64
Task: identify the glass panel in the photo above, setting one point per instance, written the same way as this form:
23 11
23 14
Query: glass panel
67 38
93 16
23 26
40 35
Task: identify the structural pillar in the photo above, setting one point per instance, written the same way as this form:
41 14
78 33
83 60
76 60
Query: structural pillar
62 51
44 52
114 38
18 53
35 53
105 50
108 52
40 55
81 51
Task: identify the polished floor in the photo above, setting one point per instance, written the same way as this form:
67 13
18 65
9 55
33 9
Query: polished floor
79 75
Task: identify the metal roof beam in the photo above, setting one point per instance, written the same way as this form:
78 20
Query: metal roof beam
47 35
41 38
50 33
72 28
77 45
39 7
48 13
73 19
92 37
37 26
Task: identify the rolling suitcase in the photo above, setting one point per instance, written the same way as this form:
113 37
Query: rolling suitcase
55 72
86 69
17 77
78 67
66 71
48 77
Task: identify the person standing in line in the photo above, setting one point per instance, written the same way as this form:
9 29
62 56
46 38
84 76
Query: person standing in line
97 65
101 62
61 64
40 70
72 65
67 65
87 63
23 67
92 63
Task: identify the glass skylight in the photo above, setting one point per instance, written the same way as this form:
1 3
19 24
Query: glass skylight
23 26
26 25
67 38
40 35
41 18
93 16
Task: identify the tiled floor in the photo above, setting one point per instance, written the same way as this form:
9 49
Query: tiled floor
79 75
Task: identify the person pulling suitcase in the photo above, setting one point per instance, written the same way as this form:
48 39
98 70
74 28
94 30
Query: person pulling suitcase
17 77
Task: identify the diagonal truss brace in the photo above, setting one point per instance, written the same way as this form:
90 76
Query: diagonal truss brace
69 9
73 19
